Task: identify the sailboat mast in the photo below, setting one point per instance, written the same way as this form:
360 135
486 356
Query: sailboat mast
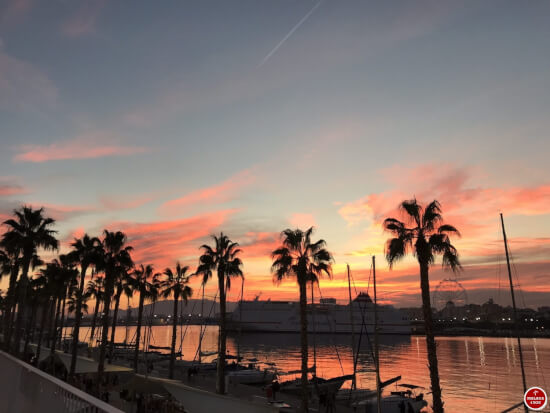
514 306
376 353
354 381
202 322
240 322
313 324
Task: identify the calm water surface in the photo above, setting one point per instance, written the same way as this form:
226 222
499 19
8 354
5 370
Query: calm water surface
478 374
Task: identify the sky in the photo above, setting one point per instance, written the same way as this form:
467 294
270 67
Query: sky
176 120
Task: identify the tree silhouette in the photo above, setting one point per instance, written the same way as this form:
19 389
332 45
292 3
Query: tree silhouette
425 236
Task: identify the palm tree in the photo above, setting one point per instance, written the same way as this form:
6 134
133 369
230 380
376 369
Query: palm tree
147 290
34 299
223 258
115 259
298 257
124 285
27 233
175 285
10 265
425 236
85 252
95 290
62 276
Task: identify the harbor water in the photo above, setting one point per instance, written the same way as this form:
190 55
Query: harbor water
478 374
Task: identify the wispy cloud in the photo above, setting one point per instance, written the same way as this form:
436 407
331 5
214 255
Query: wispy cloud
215 194
9 188
87 146
290 33
165 242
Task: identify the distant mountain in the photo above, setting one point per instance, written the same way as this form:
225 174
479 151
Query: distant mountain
193 307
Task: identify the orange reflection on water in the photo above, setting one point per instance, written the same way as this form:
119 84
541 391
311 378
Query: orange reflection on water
478 374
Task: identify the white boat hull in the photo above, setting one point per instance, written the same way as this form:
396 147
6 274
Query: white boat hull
284 317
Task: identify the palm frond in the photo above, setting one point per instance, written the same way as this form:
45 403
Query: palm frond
413 210
396 249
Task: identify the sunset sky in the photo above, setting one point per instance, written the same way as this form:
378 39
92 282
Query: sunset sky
175 120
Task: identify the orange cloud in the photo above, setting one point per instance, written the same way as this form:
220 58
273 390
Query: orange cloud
163 243
219 193
471 208
84 147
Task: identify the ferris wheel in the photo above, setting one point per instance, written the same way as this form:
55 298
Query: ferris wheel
448 291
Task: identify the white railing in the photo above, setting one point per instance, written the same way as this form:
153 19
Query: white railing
26 389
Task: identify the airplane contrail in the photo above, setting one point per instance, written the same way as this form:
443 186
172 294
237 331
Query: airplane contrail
265 59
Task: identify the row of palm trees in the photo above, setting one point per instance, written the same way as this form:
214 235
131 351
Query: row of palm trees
60 286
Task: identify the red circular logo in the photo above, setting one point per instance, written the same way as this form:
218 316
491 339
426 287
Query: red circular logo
535 398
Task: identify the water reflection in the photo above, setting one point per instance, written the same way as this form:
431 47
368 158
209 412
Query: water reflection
490 384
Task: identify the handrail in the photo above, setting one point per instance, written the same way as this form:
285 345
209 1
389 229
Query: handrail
28 389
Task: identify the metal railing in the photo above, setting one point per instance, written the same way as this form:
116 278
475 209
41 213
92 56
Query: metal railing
26 389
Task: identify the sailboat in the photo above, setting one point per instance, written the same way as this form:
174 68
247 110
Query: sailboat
518 335
317 386
410 400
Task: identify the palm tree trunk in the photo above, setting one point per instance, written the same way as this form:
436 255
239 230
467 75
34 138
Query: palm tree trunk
62 323
304 346
43 323
138 329
94 319
220 377
51 319
115 314
22 292
77 320
10 305
30 327
54 332
174 333
430 340
105 329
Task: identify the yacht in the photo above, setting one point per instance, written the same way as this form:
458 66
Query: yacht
325 317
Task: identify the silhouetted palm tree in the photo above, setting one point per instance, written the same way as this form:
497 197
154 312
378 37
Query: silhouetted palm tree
300 258
86 252
10 265
123 286
175 285
26 234
223 258
95 290
144 281
425 236
115 260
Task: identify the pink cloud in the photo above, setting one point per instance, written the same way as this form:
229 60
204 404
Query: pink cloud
87 146
83 22
164 242
8 188
219 193
470 205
